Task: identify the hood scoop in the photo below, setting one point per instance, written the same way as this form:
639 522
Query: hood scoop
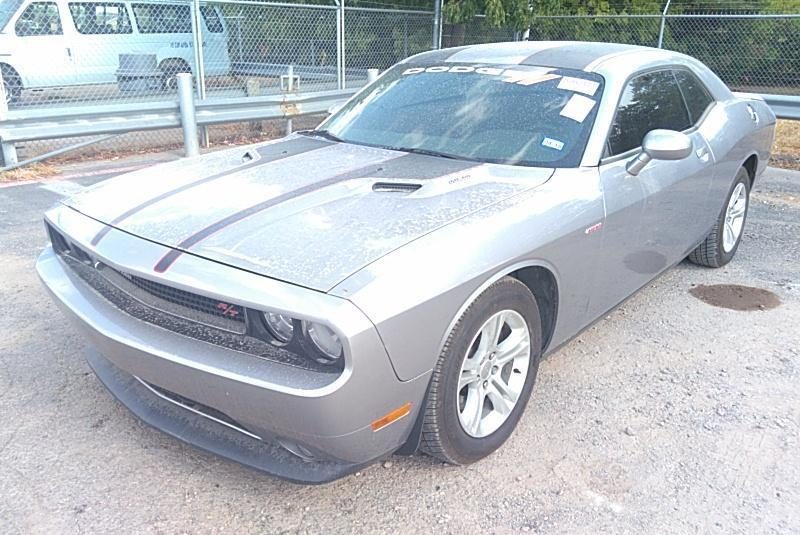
395 187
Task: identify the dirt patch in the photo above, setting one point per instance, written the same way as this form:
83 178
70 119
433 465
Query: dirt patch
736 297
786 149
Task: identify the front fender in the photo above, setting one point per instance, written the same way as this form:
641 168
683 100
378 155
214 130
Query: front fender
415 295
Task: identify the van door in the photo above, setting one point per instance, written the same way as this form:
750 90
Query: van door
103 32
41 55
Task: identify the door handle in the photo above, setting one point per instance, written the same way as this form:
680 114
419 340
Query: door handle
69 52
753 114
702 153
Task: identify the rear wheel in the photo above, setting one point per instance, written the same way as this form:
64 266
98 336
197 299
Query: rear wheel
722 242
12 84
170 68
484 376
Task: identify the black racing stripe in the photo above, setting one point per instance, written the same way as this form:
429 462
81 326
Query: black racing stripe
408 166
268 153
368 170
573 56
433 57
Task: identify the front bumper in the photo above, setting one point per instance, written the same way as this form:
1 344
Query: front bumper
139 361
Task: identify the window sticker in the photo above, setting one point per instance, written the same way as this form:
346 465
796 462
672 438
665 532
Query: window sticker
528 77
514 76
577 108
579 85
552 143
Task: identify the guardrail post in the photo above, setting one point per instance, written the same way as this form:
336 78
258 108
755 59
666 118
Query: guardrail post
188 119
8 152
289 89
372 75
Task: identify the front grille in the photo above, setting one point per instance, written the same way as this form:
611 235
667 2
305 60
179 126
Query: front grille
187 305
195 316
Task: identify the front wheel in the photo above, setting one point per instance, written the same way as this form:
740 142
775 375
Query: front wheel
722 242
484 376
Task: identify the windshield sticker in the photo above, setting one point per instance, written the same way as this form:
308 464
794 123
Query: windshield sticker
552 143
527 77
579 85
577 108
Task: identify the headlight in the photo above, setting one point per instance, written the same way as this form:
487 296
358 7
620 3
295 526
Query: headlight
325 341
280 326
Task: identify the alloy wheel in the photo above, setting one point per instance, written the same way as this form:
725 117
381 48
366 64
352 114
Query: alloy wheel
493 373
734 217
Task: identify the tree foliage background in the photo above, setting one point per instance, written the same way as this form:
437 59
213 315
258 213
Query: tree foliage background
747 53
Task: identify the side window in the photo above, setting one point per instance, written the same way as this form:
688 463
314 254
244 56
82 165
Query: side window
694 93
100 18
213 23
39 18
650 101
163 18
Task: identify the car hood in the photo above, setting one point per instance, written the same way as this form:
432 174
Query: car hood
302 210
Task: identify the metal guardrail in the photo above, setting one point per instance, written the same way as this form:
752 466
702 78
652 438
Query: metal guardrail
186 113
784 106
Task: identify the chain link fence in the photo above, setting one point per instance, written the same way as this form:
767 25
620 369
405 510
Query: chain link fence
476 31
753 46
67 53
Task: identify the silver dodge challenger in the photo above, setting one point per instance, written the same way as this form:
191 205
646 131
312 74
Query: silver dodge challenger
389 281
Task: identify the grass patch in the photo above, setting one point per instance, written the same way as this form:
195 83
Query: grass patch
786 149
36 171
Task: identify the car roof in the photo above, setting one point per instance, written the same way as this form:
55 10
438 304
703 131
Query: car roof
578 55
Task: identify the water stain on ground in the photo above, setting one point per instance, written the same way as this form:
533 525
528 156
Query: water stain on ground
736 297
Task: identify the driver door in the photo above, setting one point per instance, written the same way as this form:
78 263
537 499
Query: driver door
655 218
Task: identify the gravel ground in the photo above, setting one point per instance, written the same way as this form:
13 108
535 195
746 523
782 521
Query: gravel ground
668 416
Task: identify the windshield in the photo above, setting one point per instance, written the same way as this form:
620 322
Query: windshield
521 115
7 10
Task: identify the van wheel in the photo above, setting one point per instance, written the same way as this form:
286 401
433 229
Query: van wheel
12 84
169 69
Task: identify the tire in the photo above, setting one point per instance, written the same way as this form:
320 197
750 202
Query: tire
12 84
169 69
713 251
443 434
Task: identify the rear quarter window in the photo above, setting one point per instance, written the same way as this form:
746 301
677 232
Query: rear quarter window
697 97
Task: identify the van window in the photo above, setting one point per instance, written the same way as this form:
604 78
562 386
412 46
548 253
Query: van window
100 17
39 18
162 18
213 23
7 10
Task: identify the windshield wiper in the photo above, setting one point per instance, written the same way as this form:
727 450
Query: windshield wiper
428 152
321 133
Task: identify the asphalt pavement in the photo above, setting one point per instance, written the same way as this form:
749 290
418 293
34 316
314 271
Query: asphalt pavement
670 415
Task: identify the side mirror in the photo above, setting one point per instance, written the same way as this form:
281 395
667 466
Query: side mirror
660 145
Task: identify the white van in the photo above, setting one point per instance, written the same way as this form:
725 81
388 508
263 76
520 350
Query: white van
58 43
